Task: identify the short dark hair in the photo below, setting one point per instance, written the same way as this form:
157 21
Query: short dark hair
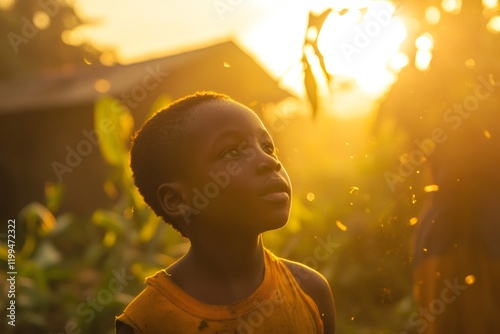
156 155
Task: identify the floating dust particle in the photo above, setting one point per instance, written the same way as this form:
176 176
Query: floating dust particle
470 279
41 20
431 188
341 226
102 85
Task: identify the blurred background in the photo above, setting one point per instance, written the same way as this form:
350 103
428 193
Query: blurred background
385 114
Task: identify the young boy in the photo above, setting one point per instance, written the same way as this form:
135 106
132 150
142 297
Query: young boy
207 165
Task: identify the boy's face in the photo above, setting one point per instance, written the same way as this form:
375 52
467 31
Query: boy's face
235 182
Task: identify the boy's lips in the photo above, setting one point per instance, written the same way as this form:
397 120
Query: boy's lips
276 190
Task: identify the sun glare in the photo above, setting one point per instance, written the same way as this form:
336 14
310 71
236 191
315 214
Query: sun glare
362 44
432 15
360 49
452 6
494 25
490 4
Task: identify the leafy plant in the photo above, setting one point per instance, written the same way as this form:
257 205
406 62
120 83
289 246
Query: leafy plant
65 263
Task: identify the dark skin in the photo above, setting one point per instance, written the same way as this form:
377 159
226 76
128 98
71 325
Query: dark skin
225 262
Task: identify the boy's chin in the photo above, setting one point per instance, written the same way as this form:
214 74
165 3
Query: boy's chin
275 224
278 226
264 227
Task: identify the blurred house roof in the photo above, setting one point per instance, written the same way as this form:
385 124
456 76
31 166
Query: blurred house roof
44 115
222 67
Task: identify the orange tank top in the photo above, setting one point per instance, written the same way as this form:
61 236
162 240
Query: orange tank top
278 305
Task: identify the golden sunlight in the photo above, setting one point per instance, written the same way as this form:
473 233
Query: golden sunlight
490 4
424 44
452 6
360 49
6 4
359 39
432 15
363 45
494 25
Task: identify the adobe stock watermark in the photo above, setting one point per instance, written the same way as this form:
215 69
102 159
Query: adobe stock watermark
28 30
426 147
222 7
279 119
92 138
84 148
87 310
426 315
364 36
321 253
151 80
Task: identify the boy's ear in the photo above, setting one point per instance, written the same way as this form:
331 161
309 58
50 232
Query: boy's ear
171 197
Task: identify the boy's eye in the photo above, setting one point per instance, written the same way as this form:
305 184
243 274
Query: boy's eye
270 149
231 153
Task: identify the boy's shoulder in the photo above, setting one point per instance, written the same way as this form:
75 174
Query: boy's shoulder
306 277
310 281
153 303
317 287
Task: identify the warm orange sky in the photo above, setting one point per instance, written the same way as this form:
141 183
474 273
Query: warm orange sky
160 27
272 31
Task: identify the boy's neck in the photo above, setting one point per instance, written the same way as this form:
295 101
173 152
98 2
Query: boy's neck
221 271
228 256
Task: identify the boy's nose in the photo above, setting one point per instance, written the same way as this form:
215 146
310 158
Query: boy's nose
267 163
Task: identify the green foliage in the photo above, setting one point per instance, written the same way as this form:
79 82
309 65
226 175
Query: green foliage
65 262
114 144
